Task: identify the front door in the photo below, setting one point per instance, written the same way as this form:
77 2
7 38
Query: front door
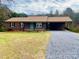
31 26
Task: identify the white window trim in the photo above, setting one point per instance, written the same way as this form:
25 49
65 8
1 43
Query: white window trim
12 25
22 25
38 25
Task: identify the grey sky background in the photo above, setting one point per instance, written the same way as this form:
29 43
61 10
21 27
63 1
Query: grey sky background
41 6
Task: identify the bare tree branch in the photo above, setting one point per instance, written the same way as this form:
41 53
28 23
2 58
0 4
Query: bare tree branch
7 1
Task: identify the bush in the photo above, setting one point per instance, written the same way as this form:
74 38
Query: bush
74 29
2 29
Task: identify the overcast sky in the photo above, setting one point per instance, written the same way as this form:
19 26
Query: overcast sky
42 6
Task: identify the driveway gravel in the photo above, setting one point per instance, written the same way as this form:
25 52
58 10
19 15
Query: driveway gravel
63 45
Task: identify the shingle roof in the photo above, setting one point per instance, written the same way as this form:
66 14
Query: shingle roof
28 19
39 19
59 19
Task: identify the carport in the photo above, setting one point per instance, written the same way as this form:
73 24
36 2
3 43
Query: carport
58 23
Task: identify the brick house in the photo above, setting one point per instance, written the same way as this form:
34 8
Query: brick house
32 23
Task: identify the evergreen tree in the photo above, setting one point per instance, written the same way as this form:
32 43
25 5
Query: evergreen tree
69 12
51 12
56 13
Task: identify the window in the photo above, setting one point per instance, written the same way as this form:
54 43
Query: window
12 24
38 25
22 25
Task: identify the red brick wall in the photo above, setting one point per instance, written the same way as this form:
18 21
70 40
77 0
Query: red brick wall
18 27
8 26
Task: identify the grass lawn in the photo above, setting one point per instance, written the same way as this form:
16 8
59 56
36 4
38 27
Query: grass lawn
23 45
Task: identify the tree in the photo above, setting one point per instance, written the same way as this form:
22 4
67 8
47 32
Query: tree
51 12
69 12
76 18
56 13
14 14
5 13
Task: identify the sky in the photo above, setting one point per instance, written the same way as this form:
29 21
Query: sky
41 6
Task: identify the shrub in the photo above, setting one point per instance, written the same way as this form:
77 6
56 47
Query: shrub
2 29
74 29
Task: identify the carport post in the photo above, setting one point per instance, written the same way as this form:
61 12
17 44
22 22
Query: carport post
68 24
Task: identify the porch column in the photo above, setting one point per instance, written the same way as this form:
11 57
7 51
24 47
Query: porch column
44 26
68 24
17 24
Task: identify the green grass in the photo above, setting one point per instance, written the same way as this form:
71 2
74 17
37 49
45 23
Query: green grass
23 45
74 29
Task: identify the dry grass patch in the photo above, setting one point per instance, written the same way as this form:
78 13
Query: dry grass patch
23 45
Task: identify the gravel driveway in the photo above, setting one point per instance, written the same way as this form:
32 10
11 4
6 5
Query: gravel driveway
63 45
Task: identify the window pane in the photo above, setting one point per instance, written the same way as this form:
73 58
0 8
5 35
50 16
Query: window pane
38 25
12 24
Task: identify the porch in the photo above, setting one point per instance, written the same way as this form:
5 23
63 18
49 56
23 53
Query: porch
27 26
